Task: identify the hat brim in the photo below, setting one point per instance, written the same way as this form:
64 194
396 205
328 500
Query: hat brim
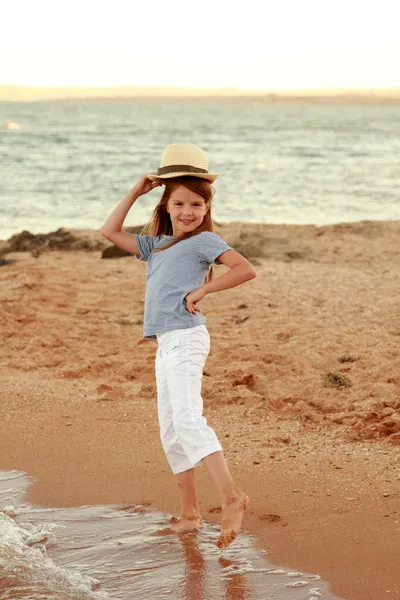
160 178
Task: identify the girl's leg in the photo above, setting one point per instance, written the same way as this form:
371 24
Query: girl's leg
196 440
233 500
190 517
180 465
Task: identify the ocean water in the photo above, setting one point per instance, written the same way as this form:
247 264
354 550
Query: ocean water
121 552
73 160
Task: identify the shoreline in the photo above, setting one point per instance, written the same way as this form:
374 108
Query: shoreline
301 386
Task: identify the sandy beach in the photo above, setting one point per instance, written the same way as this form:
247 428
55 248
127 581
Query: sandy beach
302 386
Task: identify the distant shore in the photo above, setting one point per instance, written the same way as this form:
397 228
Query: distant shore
20 93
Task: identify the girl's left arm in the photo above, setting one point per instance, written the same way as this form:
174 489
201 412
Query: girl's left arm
240 270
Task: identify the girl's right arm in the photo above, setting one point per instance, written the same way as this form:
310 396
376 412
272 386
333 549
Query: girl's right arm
112 228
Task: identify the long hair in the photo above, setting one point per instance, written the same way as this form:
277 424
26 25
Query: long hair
160 222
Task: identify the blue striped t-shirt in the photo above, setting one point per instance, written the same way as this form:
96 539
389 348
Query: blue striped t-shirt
171 275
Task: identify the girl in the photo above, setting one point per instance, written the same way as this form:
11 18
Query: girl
179 251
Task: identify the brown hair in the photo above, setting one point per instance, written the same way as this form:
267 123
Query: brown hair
160 222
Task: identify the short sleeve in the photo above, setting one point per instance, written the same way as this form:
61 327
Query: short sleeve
211 246
145 244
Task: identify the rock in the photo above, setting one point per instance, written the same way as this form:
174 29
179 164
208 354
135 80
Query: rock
347 358
138 229
336 380
114 251
62 239
254 241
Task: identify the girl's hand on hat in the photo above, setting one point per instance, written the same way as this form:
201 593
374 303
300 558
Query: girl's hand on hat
193 298
143 186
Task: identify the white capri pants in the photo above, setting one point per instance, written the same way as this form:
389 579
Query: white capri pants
185 436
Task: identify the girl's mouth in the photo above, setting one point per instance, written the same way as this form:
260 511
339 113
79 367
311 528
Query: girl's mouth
186 221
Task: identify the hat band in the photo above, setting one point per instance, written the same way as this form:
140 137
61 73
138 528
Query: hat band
179 169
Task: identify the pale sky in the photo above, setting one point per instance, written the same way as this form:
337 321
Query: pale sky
284 44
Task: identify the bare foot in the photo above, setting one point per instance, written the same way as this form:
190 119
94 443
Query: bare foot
186 524
232 516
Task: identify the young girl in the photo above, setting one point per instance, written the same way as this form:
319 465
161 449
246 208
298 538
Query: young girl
179 251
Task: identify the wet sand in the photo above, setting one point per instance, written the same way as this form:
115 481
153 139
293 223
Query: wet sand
302 386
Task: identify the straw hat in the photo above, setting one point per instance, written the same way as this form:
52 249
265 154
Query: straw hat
183 159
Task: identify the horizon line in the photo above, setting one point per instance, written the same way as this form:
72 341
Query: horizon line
21 92
226 88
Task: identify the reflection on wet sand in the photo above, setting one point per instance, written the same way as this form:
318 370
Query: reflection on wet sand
195 573
195 568
235 584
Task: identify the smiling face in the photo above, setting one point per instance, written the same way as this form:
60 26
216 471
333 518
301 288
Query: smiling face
186 209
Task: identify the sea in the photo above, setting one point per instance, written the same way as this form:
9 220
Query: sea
71 161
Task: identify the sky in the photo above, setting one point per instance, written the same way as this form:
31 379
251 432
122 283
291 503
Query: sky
285 44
